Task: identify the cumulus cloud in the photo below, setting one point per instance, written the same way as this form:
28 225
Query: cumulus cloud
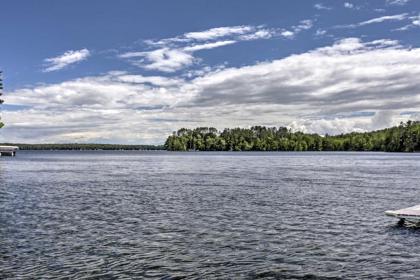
173 54
116 90
66 59
349 85
287 34
164 59
171 60
294 30
176 53
323 81
332 126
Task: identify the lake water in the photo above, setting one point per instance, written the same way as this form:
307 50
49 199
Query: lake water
162 215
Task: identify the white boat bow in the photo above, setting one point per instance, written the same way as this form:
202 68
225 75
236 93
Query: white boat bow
410 214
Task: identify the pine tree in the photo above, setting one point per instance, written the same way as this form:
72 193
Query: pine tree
1 93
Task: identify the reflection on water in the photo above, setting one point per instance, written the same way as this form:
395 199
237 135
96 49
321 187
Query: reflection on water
165 215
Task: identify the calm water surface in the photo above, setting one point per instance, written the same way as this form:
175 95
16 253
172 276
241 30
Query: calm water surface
159 215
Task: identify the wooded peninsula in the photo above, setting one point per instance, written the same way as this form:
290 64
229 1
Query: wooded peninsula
402 138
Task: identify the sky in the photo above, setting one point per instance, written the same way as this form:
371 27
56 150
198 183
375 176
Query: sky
132 72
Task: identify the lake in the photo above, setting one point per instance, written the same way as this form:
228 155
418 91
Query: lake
163 215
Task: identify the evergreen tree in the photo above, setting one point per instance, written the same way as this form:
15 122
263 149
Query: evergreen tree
402 138
1 93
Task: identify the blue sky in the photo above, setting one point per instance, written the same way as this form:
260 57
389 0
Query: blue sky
133 71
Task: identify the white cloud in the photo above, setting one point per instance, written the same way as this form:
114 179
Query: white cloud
325 90
176 53
398 17
287 34
331 126
218 32
204 71
165 59
320 32
208 46
303 25
116 90
260 34
348 5
397 2
140 79
171 60
66 59
320 6
384 18
415 22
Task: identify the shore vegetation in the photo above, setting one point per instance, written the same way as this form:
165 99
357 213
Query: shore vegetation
402 138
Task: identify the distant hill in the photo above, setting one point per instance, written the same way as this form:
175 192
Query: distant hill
402 138
76 146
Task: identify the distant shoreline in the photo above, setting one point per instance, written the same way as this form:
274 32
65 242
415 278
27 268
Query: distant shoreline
214 152
85 147
402 138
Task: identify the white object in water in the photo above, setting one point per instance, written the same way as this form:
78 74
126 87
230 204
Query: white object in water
411 214
8 150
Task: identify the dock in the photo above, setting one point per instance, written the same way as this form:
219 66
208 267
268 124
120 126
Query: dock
410 214
8 150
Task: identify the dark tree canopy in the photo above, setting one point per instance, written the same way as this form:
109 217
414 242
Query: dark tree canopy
1 93
402 138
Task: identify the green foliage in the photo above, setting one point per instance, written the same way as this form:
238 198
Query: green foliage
1 93
402 138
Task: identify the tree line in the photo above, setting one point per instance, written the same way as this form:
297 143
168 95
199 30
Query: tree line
1 93
77 146
402 138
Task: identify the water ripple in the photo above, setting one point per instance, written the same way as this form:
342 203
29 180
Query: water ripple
158 215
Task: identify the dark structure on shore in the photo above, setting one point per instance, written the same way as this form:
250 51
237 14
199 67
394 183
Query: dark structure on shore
5 150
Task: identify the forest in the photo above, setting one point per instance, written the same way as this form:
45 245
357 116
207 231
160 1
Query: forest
402 138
